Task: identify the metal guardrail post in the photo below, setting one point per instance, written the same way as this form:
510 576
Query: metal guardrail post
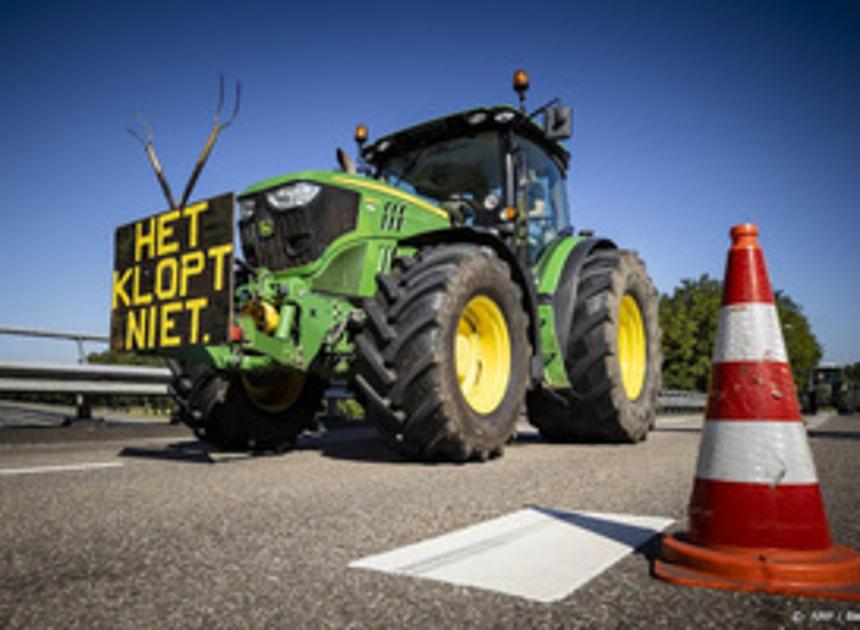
83 408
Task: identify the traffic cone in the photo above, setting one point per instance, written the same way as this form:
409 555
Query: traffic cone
756 518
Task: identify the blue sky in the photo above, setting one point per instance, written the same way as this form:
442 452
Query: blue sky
689 118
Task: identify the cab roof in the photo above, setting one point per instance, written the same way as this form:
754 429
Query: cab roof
464 123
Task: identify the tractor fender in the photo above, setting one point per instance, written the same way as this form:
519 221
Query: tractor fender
522 276
559 279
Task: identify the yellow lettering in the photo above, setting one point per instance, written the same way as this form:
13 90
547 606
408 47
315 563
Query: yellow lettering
142 240
168 292
135 330
153 311
119 287
193 214
138 298
192 265
195 306
219 253
167 324
165 231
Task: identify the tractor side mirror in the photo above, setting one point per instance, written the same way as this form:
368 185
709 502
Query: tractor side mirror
558 122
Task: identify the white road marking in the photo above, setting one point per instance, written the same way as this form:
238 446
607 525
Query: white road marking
35 470
537 553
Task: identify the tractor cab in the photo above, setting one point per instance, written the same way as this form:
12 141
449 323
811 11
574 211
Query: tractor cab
489 167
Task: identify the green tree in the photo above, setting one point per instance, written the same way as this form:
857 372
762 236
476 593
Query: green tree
804 351
852 372
689 321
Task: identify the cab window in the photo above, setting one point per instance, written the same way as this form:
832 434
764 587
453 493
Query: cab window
540 195
466 170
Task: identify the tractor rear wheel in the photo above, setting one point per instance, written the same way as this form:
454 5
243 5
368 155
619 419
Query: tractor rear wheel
443 358
613 357
238 411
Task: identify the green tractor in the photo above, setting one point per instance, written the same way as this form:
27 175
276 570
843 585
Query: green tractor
439 278
828 386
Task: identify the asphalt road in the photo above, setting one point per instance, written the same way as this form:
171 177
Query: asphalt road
152 530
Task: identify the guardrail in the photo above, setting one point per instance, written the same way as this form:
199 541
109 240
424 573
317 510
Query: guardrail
680 401
89 379
82 380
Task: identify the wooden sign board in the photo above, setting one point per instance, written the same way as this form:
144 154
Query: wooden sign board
173 278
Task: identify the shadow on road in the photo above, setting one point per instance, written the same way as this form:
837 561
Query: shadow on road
191 451
365 443
835 435
528 437
356 443
353 441
359 443
643 540
532 436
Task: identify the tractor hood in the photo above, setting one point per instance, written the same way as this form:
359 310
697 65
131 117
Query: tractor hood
357 183
289 221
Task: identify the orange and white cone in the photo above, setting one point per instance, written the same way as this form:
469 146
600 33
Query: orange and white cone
756 518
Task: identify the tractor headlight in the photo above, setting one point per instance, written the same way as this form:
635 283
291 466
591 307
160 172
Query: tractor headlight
246 208
292 195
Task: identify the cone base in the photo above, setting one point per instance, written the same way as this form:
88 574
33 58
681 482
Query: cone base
832 573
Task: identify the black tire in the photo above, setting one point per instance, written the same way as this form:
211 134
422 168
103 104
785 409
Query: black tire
217 407
597 407
406 371
813 403
845 403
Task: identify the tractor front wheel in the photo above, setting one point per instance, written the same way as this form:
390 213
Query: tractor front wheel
443 358
238 411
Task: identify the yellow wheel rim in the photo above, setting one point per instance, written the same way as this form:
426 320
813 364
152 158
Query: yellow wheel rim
482 350
274 391
632 347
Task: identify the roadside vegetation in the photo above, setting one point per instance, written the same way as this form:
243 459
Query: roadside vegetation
689 320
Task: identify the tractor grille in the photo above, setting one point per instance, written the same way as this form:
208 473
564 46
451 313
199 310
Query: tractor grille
282 239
